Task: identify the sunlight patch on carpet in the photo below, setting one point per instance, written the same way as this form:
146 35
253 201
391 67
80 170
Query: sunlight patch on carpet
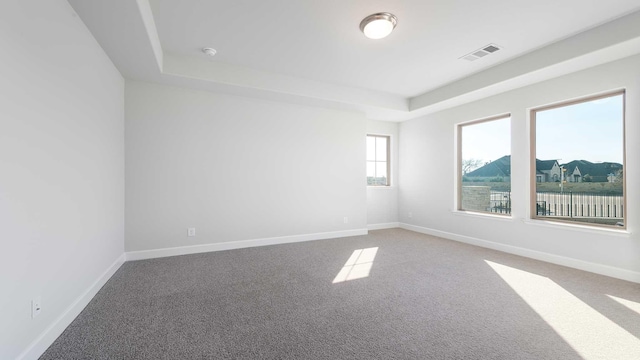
631 305
358 266
591 334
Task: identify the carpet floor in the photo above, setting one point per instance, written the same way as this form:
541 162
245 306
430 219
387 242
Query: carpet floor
392 294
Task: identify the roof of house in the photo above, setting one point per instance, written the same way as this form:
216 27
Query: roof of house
542 165
500 167
593 169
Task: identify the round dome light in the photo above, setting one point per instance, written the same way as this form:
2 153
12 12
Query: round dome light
379 25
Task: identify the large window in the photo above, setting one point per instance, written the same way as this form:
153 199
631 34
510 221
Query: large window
578 161
484 165
378 160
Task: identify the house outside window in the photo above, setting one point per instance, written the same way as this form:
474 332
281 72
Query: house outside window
378 160
578 161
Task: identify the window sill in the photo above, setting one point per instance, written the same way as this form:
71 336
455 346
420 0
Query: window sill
578 227
482 215
384 187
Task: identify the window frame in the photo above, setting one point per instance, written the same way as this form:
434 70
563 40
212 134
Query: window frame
459 175
532 159
388 138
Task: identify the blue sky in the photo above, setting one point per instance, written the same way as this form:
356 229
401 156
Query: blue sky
487 141
590 131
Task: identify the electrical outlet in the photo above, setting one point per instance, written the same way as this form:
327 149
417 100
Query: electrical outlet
191 232
36 307
346 220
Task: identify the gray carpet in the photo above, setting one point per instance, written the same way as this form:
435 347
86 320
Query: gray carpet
425 298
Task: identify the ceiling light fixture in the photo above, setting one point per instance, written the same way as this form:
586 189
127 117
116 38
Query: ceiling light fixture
379 25
209 51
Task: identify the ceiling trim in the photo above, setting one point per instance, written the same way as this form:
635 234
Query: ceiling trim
226 74
608 42
152 32
611 41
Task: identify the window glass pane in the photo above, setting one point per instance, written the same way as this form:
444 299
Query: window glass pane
579 162
371 169
486 166
381 149
377 162
371 148
381 173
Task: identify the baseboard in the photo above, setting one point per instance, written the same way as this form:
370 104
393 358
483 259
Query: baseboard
383 226
230 245
48 336
606 270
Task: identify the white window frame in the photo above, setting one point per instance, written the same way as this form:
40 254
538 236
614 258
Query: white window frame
459 159
532 151
388 161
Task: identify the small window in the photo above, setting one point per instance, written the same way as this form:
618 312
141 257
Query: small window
378 160
578 161
484 165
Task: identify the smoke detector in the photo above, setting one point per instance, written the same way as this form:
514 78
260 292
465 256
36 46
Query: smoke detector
482 52
209 51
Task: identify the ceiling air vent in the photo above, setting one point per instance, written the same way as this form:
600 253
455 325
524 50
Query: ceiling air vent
482 52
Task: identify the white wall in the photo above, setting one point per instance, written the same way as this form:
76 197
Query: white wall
237 168
382 201
61 172
427 161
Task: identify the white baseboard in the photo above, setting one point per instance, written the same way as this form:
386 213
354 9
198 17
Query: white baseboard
49 335
194 249
383 226
533 254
